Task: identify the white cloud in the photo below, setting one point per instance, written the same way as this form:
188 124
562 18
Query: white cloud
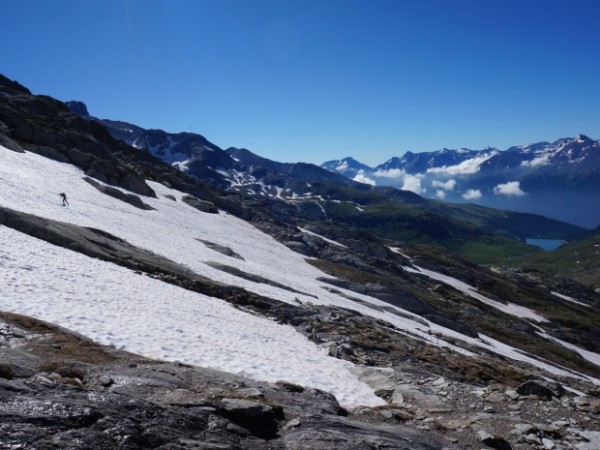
440 194
464 168
362 178
472 194
543 160
413 183
389 173
510 188
445 185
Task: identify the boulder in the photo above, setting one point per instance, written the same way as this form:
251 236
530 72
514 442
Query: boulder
132 199
200 205
542 389
497 442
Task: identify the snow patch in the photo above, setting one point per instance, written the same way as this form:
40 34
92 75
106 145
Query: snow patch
509 308
331 241
570 299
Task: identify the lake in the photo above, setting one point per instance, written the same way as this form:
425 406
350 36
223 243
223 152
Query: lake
546 244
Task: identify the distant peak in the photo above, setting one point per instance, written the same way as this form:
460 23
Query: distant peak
582 138
78 108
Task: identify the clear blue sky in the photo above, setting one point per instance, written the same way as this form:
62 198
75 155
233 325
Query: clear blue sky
312 80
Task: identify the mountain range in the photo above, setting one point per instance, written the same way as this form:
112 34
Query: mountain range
559 179
320 194
244 303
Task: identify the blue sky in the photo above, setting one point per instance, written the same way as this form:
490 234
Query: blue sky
313 80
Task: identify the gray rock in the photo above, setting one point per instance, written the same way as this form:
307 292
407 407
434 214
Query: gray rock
131 199
524 428
106 381
221 249
532 439
250 392
246 407
592 440
512 394
588 404
200 205
541 389
497 442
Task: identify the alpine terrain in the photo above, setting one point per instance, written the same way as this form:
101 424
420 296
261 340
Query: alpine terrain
559 179
191 297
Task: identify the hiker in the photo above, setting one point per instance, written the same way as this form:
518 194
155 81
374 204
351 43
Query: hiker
64 199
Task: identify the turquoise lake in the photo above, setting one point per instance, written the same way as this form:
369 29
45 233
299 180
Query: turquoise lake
546 244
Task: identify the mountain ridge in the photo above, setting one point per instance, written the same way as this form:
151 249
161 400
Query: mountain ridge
559 179
301 184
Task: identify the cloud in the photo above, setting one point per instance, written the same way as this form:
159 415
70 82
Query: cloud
512 188
362 178
445 185
440 194
464 168
389 173
543 160
413 183
472 194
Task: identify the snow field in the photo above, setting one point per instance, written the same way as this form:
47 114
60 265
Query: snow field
114 306
192 328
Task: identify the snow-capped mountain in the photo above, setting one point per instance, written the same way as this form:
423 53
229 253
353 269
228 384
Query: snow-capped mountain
235 169
348 167
315 192
559 179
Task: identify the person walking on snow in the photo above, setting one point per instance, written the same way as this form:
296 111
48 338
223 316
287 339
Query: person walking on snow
64 199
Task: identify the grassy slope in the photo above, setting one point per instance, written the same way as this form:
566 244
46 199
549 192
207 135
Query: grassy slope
414 223
579 260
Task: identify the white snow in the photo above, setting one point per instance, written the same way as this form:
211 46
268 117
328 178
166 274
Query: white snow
331 241
342 166
114 306
182 165
569 299
592 357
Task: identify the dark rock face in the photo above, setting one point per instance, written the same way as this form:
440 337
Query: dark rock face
133 200
46 126
252 277
541 389
13 85
78 108
221 249
200 205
